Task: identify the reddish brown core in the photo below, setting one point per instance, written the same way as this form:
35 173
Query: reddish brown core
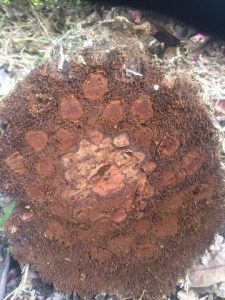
192 162
37 139
35 191
65 137
54 230
16 163
167 178
95 87
70 109
142 108
103 189
113 112
168 145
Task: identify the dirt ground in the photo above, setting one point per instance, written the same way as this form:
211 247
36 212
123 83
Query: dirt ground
174 161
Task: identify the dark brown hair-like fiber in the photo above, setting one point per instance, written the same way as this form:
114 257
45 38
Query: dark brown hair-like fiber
117 182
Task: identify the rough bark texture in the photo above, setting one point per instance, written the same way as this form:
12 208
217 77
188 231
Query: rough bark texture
114 170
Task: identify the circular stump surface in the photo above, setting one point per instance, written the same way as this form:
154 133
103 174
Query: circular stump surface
117 183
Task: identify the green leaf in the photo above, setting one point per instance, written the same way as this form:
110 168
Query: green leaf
8 212
10 250
4 1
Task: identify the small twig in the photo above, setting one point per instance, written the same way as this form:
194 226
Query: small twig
62 58
61 38
23 281
134 73
142 295
3 280
41 24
